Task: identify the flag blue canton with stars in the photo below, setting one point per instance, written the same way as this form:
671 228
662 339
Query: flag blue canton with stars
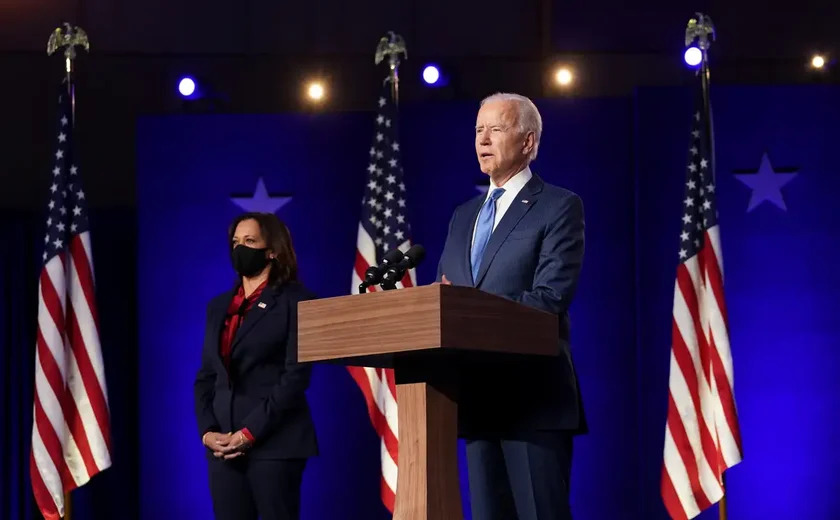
699 206
384 205
67 208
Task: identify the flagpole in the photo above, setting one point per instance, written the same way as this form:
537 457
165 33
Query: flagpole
391 46
702 29
68 37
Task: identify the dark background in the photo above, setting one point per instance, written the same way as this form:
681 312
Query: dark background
257 56
257 53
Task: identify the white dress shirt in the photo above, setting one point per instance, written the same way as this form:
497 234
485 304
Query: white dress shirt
512 188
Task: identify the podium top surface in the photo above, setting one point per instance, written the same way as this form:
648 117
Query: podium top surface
365 329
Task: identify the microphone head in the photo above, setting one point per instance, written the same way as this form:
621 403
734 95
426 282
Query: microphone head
415 255
393 274
371 274
392 257
410 260
374 273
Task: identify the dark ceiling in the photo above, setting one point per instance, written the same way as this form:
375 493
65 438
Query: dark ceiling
446 28
258 53
614 45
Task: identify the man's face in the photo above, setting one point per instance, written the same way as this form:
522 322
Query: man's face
501 148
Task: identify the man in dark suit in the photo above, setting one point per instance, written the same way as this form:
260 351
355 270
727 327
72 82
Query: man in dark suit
523 240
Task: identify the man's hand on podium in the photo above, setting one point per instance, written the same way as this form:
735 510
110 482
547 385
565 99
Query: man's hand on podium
444 281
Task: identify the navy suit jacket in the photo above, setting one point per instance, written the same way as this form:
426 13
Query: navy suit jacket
265 388
534 256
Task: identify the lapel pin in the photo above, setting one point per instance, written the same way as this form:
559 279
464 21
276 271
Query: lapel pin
524 201
261 305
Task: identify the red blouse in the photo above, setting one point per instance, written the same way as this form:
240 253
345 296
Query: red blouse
238 308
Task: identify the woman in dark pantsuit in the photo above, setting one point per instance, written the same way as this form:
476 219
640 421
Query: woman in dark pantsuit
253 416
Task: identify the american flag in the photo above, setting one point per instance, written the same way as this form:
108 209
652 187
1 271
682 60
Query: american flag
702 436
71 424
383 227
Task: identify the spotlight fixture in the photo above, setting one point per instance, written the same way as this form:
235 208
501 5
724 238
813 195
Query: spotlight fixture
564 76
186 86
315 91
693 56
431 74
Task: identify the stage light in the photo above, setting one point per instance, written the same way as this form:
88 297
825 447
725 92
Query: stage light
315 91
431 74
693 56
563 76
818 61
186 86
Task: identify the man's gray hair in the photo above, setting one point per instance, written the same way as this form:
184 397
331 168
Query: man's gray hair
527 115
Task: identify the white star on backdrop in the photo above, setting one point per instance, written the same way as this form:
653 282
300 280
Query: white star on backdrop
261 201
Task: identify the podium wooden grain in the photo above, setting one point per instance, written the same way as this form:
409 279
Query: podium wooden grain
415 331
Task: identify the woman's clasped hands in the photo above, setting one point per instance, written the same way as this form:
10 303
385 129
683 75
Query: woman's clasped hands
227 445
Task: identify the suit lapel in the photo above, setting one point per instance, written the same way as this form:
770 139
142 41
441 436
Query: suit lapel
218 322
522 203
264 303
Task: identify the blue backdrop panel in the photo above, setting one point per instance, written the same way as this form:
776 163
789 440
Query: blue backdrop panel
190 167
780 280
586 148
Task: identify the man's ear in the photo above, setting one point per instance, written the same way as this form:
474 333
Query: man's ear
528 145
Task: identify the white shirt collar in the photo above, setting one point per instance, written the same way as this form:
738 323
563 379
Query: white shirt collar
514 184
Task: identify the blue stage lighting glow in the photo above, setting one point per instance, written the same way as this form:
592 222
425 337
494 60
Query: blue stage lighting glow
186 86
693 56
431 74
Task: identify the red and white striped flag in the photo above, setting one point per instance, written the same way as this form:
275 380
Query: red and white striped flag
384 226
71 425
702 437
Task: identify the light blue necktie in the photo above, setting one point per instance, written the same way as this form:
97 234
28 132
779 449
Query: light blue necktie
483 229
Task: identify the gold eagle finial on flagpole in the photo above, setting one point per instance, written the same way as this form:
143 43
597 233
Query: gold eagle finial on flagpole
700 28
69 37
391 46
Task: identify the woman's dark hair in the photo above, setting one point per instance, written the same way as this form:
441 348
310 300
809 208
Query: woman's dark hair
278 239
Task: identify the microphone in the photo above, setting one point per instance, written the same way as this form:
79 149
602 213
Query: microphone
373 274
410 260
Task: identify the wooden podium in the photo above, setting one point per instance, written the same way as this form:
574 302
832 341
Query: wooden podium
417 331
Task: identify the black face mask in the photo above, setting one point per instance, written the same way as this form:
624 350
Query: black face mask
248 261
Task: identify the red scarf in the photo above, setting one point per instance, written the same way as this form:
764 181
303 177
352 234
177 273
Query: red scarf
239 306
